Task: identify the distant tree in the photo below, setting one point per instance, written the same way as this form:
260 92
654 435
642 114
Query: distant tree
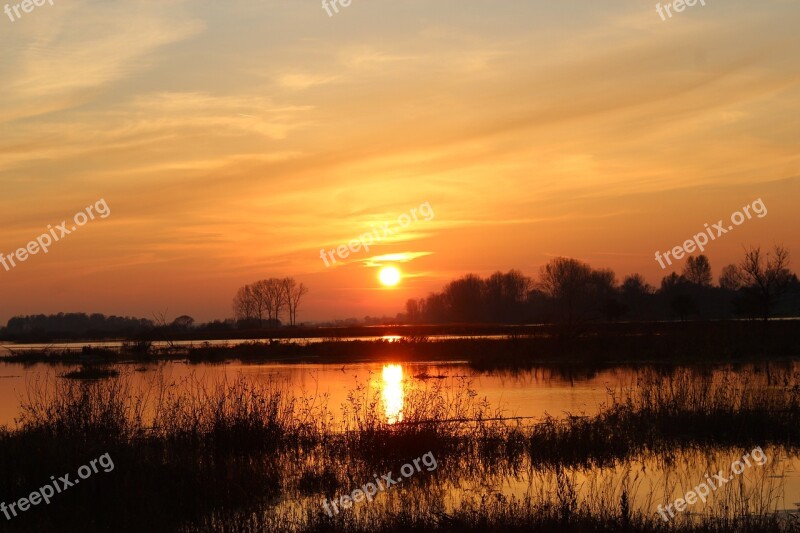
570 291
218 325
698 271
244 307
603 283
671 281
766 276
464 298
516 286
72 325
413 311
436 310
183 322
603 290
637 295
680 294
635 286
730 278
566 282
266 300
539 306
261 303
505 296
293 293
276 297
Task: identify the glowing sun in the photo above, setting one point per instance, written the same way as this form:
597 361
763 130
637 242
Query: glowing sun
389 276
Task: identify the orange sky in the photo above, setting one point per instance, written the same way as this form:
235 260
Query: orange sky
232 141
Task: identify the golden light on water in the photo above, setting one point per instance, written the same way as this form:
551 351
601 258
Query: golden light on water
392 393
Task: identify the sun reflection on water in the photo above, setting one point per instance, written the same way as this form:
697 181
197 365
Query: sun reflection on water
392 393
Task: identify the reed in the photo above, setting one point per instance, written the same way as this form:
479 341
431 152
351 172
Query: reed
228 456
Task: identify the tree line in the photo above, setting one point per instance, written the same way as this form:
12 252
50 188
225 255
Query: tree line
262 303
68 325
569 291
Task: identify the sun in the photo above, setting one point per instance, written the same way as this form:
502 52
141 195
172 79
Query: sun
389 276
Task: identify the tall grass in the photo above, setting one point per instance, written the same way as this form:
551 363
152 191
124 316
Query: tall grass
78 410
680 407
559 503
238 415
221 456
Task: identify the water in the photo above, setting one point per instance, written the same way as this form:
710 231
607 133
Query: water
530 395
650 483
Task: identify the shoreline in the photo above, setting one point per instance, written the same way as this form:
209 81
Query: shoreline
606 344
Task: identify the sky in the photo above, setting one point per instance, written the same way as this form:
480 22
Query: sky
232 141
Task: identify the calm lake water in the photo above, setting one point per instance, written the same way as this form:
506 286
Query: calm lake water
531 394
524 394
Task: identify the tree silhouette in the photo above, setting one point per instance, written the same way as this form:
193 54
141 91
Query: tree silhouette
464 298
293 293
244 307
766 275
570 292
698 271
566 281
183 322
730 279
262 302
506 295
